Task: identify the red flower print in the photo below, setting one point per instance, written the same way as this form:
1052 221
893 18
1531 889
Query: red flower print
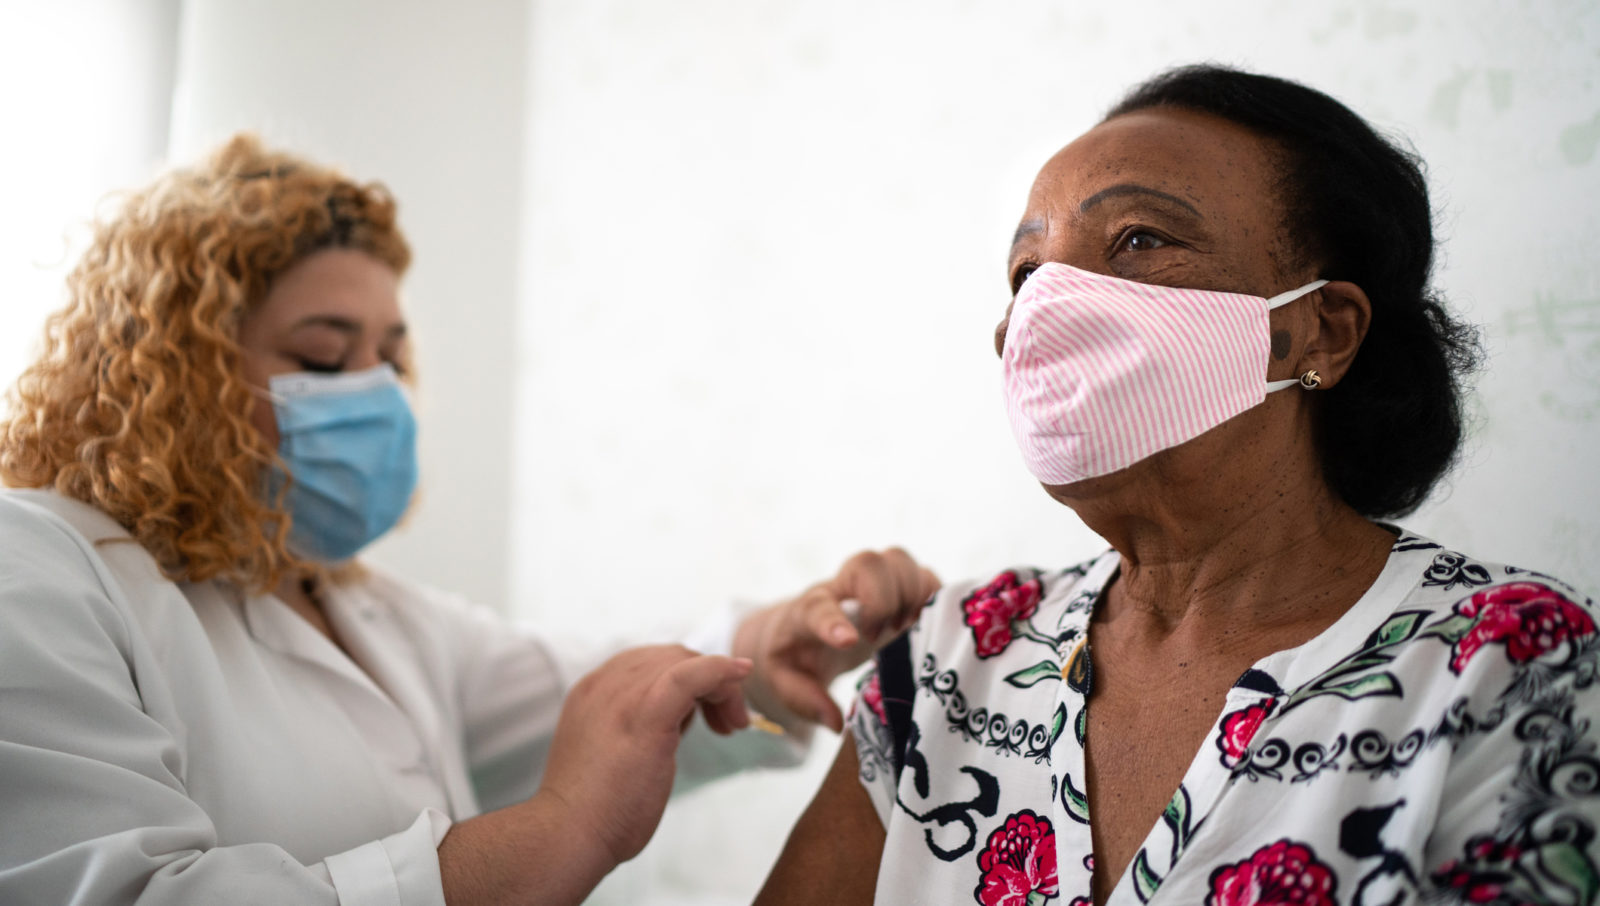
1019 863
1238 728
991 609
1484 893
872 697
1488 849
1530 618
1282 873
1470 887
1488 875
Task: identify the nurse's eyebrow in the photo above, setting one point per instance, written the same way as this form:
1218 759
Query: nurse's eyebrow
344 325
1129 188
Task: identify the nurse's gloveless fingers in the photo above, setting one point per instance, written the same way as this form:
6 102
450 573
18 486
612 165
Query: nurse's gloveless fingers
725 710
711 682
806 696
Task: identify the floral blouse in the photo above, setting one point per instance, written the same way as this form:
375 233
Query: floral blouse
1438 743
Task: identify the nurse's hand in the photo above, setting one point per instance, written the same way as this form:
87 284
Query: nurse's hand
799 646
612 761
605 783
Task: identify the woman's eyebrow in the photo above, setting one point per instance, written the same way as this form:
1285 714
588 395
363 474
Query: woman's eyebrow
1026 229
344 325
1129 188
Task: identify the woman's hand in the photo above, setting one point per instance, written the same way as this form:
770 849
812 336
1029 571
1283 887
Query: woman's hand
799 646
605 783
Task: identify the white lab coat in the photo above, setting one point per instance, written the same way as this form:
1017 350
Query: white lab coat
185 743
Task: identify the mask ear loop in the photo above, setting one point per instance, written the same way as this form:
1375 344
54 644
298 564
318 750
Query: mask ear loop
274 398
1282 299
1278 301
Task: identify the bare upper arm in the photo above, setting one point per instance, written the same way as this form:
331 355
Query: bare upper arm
833 852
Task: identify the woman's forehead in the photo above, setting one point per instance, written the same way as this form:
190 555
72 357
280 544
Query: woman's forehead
336 282
1194 158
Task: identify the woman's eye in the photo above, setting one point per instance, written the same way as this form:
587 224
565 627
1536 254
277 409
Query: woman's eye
1142 241
320 367
1020 276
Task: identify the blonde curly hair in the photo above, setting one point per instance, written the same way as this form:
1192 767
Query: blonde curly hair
138 403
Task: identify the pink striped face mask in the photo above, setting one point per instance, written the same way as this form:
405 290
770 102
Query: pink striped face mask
1101 372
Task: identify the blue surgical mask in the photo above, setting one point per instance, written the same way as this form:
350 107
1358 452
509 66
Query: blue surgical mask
350 443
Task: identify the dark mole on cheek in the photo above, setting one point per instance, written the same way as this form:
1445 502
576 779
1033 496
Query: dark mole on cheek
1281 341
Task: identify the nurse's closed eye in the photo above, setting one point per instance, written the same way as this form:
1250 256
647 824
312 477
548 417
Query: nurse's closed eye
318 367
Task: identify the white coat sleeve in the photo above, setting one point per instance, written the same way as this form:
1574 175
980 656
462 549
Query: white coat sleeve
512 683
91 786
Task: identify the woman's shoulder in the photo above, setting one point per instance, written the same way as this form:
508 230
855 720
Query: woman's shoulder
1449 628
55 525
980 617
1050 581
1438 582
54 582
36 508
40 526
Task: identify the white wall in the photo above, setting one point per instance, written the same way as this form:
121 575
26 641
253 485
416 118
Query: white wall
765 249
87 91
429 98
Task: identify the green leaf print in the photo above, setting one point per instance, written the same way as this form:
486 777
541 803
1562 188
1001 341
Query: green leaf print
1176 815
1145 880
1038 673
1380 649
1056 726
1571 866
1080 727
1452 629
1397 629
1371 684
1076 802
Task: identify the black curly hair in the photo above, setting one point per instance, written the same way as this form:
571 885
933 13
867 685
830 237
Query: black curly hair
1357 203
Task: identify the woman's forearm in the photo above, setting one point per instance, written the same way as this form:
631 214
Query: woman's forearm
605 782
534 852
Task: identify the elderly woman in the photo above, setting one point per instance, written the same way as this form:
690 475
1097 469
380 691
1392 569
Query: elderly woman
204 699
1223 355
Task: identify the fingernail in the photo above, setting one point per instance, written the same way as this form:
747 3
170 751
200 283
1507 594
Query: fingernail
744 663
840 634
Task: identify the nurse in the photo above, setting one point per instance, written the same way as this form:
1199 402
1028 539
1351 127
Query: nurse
208 699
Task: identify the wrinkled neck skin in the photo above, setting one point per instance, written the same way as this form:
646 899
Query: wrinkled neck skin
1236 527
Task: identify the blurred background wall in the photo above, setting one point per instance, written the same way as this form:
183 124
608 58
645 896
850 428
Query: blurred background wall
704 290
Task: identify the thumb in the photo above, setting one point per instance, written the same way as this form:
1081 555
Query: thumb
712 678
807 698
834 620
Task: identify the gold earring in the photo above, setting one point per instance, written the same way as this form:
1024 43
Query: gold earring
1311 380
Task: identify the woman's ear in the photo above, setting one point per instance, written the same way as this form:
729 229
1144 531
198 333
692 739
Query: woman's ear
1339 322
